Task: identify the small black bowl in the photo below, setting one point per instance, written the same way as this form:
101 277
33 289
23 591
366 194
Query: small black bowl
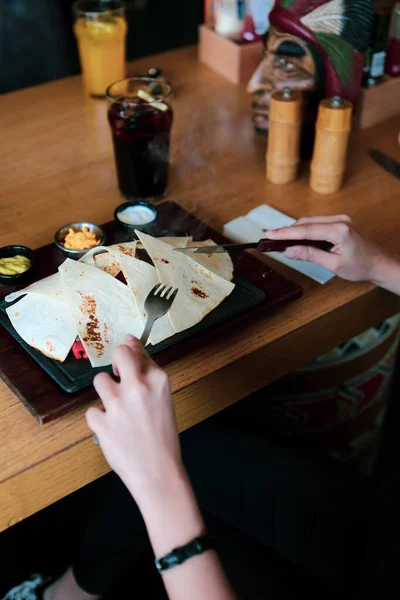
8 251
132 226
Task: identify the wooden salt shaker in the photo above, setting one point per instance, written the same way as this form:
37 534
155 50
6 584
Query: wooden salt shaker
283 153
330 147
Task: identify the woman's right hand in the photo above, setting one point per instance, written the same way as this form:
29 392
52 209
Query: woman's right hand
352 257
137 428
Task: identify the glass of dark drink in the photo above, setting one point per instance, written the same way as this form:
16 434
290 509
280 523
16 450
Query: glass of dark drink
140 117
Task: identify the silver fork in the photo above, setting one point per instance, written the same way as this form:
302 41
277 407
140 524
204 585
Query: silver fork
157 304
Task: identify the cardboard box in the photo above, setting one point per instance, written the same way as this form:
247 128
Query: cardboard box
237 62
378 103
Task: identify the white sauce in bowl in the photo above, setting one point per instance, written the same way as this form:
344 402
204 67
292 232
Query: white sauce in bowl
136 215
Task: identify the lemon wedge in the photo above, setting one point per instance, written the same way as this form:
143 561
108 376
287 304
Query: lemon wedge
147 98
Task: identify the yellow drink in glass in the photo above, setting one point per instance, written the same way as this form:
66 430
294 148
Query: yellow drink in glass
100 29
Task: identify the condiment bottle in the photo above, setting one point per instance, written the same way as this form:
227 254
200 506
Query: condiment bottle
283 152
330 147
392 65
229 18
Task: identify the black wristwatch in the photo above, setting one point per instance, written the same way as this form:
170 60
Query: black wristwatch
183 553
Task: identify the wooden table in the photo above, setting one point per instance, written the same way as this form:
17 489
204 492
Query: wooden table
56 166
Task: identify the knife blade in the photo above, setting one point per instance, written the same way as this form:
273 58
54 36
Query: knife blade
262 245
383 160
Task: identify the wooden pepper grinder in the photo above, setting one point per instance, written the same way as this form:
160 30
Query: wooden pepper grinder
283 153
330 147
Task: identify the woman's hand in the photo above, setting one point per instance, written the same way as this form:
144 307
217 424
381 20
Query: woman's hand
137 429
352 256
138 435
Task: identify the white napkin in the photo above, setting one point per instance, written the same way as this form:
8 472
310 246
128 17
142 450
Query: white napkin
251 228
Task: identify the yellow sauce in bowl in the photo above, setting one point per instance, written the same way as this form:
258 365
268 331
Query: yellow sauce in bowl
80 240
14 265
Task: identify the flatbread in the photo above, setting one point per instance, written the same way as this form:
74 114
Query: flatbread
42 317
175 242
85 298
102 307
43 286
219 263
106 262
141 278
101 258
104 257
200 290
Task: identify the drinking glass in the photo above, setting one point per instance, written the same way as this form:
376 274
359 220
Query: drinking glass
140 117
100 29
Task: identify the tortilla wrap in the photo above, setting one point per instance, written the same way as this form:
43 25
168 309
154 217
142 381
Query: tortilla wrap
85 298
101 258
200 290
42 317
103 309
174 241
219 263
141 278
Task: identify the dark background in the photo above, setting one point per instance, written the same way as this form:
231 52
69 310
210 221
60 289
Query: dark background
37 43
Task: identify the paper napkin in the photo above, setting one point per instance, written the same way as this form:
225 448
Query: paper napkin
250 228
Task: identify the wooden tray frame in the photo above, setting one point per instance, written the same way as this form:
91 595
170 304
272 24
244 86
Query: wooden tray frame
37 390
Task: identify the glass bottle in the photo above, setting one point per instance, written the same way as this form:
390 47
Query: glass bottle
229 15
392 65
375 55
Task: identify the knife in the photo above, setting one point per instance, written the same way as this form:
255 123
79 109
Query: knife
386 162
262 245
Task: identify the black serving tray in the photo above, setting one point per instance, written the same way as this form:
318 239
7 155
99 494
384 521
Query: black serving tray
73 375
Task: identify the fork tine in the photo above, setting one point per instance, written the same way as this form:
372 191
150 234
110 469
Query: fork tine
157 304
170 293
161 290
173 295
167 292
153 292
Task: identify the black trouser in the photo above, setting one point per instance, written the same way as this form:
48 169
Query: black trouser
307 508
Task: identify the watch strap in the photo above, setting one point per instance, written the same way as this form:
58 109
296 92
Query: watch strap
183 553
